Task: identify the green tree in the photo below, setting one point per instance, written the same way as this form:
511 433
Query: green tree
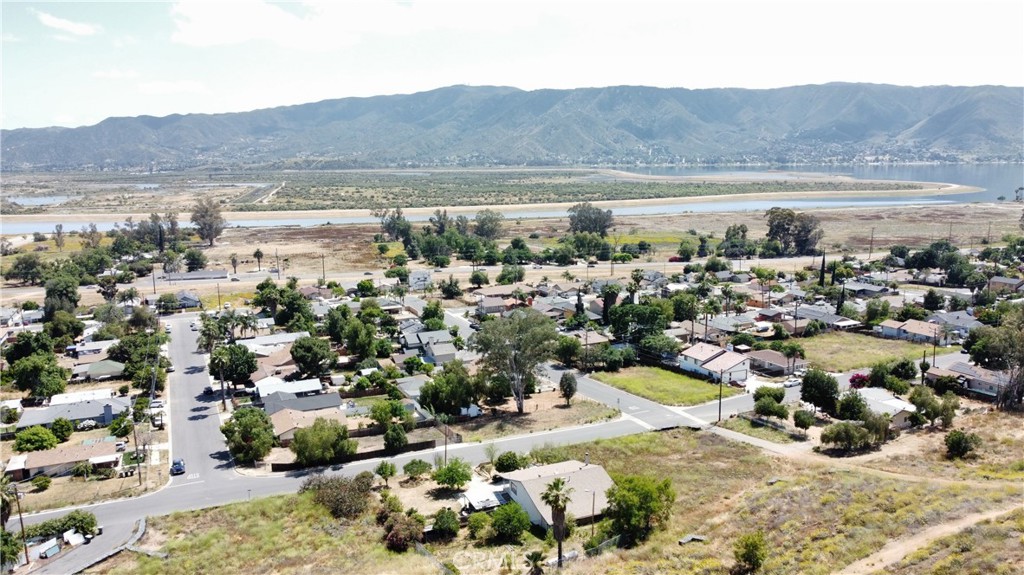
258 254
488 224
28 343
453 475
960 443
395 439
234 363
778 394
415 468
846 435
324 442
194 259
479 278
61 295
557 496
64 326
207 217
312 356
852 406
568 350
35 438
567 386
933 301
768 407
820 390
803 419
249 434
638 504
386 470
40 375
451 390
514 347
26 268
510 461
62 429
509 521
511 274
750 551
585 217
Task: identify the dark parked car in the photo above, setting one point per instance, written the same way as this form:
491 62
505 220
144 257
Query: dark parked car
207 390
178 467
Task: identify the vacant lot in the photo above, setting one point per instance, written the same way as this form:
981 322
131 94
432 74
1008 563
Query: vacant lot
284 534
752 429
544 411
989 548
665 387
842 351
923 452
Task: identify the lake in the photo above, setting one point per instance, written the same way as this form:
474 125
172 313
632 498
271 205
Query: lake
995 179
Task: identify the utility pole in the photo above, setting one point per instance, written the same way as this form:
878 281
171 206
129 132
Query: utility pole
152 272
218 297
871 245
323 268
24 540
988 236
277 262
135 434
721 374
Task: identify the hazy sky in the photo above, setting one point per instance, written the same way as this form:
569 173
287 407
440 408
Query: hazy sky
73 64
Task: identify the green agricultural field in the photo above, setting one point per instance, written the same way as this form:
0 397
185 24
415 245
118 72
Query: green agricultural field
842 351
665 387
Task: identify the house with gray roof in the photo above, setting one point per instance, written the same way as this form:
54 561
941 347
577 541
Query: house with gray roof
102 411
589 483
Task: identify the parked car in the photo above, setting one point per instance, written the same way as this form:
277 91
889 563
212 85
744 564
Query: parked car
235 279
791 382
167 328
156 404
207 390
178 467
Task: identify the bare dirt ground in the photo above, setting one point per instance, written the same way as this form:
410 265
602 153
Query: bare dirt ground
542 411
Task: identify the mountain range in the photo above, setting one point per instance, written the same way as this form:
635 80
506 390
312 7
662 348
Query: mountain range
487 125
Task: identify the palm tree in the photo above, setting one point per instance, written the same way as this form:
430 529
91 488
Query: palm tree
792 351
728 295
535 561
127 295
234 264
210 333
247 322
219 360
258 254
710 307
557 496
6 498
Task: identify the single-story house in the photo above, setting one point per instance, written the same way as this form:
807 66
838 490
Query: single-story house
279 400
715 362
314 292
882 401
271 340
588 482
490 304
288 421
103 369
589 338
198 275
961 321
860 289
92 348
419 279
774 363
61 459
412 385
65 398
420 339
103 411
974 380
1003 284
912 330
268 385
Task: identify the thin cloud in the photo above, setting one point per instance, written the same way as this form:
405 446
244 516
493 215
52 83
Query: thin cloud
115 74
9 38
163 87
76 28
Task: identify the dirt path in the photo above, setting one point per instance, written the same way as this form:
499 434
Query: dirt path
900 548
266 199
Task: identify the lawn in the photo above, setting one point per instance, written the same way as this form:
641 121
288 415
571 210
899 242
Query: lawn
664 386
842 351
747 427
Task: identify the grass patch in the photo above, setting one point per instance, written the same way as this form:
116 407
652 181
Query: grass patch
988 548
747 427
842 351
664 386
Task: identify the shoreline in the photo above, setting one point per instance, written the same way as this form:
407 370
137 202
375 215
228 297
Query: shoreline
930 189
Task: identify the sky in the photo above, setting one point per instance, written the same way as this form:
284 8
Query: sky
77 63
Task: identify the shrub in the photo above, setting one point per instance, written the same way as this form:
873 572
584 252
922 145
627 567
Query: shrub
342 496
395 439
509 521
637 504
41 482
852 406
768 407
510 461
62 429
750 551
401 530
326 441
82 469
35 438
389 504
776 393
81 521
446 523
478 525
415 468
386 470
959 443
803 419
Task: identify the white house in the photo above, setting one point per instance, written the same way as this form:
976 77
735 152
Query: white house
715 362
588 482
881 401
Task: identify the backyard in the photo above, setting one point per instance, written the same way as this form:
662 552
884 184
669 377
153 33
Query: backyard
664 386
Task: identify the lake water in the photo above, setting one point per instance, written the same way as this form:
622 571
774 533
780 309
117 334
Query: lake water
995 179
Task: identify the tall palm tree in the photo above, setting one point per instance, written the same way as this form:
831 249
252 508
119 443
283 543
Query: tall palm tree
210 333
728 295
219 361
234 264
258 254
710 307
229 320
6 498
557 496
247 322
127 295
